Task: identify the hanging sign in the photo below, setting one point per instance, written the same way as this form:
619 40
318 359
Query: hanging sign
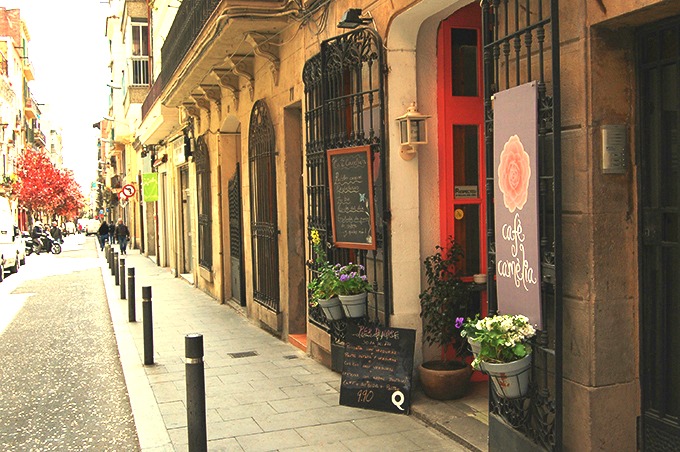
150 187
518 264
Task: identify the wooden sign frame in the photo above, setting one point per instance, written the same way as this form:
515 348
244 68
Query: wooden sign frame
338 239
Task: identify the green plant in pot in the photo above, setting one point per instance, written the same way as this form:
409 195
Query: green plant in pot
446 301
323 287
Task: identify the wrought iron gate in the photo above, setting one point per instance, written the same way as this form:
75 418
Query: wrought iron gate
263 220
235 238
202 158
344 94
521 44
659 234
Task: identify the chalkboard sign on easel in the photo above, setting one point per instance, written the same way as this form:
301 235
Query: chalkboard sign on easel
351 188
378 368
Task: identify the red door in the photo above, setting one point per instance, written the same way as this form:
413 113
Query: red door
461 137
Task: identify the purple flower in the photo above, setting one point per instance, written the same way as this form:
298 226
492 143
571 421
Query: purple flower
459 322
344 278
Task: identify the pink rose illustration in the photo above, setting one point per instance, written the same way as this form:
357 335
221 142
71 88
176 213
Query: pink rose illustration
514 172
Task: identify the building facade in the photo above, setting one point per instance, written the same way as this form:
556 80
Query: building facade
246 101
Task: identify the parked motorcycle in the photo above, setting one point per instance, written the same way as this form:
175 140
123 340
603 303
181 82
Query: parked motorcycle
45 243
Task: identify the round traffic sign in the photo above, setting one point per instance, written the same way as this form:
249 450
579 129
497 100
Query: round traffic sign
129 190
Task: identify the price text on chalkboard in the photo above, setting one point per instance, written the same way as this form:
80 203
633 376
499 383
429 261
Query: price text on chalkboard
378 368
351 187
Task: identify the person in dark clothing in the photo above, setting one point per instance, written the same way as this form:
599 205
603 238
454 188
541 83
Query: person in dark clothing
55 231
122 234
103 234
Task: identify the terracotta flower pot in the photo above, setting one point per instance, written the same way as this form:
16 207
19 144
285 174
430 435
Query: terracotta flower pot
445 380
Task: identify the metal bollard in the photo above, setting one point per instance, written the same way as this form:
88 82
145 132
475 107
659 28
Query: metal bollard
121 273
114 270
195 384
131 295
148 325
106 253
109 256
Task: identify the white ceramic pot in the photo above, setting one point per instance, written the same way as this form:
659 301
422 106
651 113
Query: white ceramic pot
510 380
354 305
331 308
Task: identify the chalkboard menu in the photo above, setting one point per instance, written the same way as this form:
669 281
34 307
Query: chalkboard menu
378 368
351 188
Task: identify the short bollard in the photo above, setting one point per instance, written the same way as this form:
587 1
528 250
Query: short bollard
106 252
109 257
131 295
195 384
115 269
121 273
148 325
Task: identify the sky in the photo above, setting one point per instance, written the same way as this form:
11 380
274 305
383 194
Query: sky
70 57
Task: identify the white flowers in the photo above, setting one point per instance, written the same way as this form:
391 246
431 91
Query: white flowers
502 337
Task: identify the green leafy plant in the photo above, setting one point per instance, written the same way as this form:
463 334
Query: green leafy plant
503 338
351 280
446 299
324 285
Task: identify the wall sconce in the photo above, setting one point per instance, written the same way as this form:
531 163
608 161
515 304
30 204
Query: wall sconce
352 19
412 131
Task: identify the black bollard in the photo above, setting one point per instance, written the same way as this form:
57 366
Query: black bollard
115 269
106 253
109 256
131 295
121 272
195 384
148 325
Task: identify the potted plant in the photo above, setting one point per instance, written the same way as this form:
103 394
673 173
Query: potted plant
444 305
322 288
352 287
504 353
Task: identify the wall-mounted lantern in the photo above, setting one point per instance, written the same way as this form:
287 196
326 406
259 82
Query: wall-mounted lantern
412 131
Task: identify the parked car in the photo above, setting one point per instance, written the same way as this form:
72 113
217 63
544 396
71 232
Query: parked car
92 227
10 240
69 228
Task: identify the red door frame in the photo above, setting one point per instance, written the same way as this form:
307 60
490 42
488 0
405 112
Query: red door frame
459 110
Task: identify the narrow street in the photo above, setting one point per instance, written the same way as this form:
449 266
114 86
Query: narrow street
61 382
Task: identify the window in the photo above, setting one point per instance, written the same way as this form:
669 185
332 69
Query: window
140 53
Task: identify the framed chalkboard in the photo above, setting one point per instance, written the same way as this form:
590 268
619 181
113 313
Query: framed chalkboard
350 179
378 368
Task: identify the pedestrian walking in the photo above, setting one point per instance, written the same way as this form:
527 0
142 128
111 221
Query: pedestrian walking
103 233
122 234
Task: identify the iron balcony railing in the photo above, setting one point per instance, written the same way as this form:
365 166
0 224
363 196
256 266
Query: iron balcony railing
188 23
139 68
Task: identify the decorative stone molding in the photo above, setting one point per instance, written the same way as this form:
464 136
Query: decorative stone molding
202 102
265 47
192 109
213 93
229 81
244 67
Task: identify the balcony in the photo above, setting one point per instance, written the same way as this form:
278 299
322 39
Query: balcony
31 109
39 138
28 71
188 23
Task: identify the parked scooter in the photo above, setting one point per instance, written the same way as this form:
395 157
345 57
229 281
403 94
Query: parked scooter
44 243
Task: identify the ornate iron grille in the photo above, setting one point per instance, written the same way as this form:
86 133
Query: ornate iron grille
521 44
202 159
263 222
235 214
345 108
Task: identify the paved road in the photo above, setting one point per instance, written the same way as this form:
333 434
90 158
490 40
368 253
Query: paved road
61 382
